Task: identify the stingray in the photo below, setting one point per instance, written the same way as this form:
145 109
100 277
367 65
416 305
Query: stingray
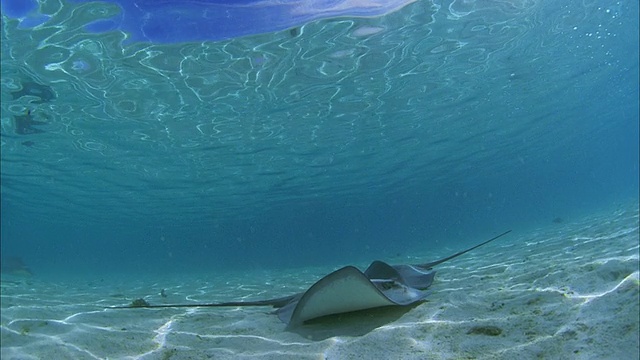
24 125
345 290
29 88
15 266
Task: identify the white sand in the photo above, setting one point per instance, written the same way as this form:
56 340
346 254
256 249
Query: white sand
568 291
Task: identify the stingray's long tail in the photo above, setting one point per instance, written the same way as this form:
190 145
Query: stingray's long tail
140 303
437 262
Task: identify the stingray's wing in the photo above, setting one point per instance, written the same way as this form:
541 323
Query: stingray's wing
346 290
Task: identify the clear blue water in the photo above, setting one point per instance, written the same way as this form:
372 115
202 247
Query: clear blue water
197 20
343 140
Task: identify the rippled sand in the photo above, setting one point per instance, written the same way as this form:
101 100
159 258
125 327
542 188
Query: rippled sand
569 290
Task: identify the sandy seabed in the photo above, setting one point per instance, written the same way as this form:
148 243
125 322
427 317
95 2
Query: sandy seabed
566 291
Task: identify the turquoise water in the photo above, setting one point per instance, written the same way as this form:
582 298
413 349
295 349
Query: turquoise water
564 290
348 139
